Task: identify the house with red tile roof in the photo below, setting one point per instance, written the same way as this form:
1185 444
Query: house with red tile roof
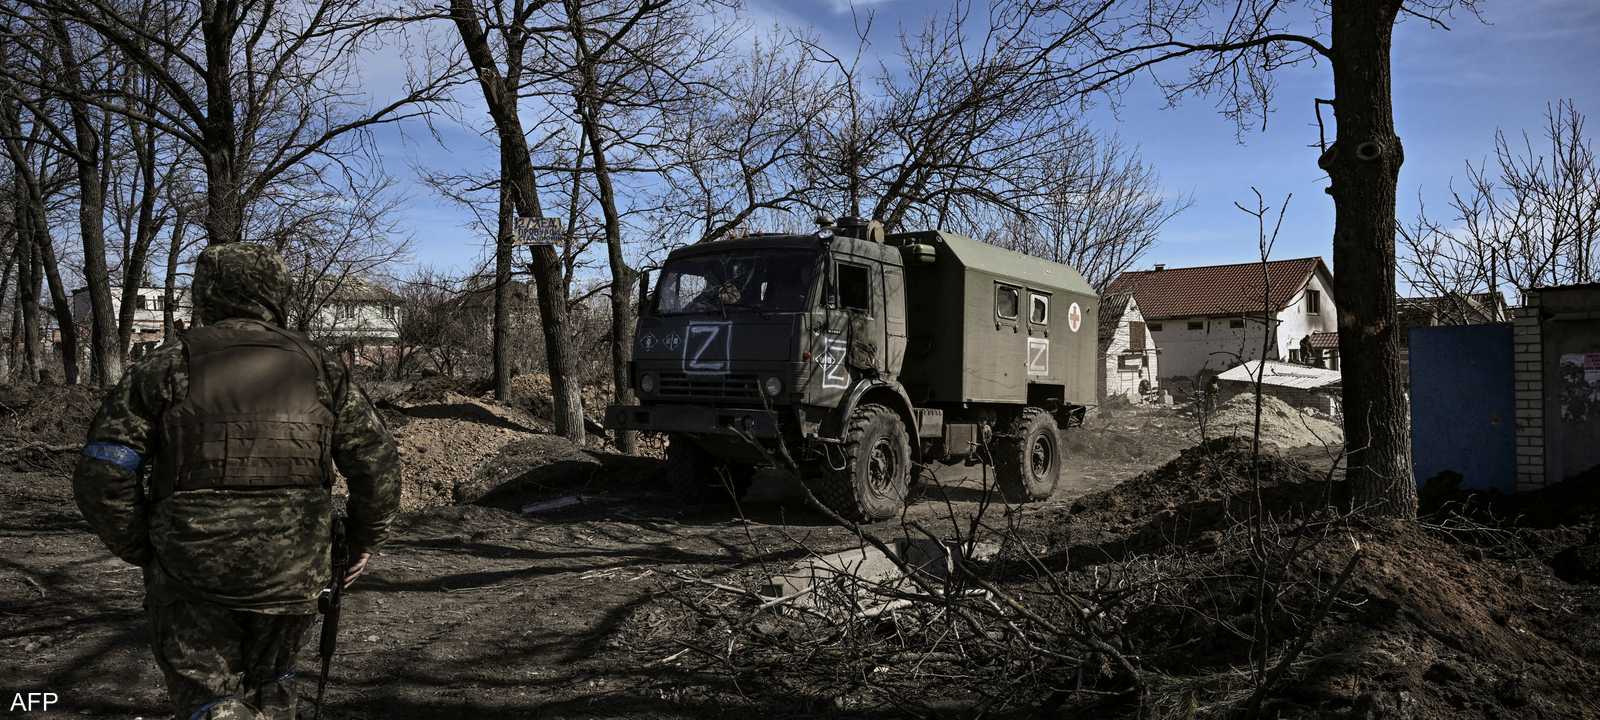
1208 319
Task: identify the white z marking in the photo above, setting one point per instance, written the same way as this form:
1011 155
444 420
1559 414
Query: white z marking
1038 356
702 340
835 374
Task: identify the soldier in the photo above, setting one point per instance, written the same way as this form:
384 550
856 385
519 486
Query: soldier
236 429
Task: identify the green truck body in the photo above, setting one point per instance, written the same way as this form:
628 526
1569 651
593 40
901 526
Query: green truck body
858 356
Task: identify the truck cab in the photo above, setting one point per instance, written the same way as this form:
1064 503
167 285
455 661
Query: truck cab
855 356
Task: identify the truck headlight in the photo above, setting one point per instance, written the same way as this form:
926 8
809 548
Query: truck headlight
647 383
772 386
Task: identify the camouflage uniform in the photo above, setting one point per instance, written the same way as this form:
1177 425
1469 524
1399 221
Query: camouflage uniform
231 574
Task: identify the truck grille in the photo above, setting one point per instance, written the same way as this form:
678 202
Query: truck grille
742 386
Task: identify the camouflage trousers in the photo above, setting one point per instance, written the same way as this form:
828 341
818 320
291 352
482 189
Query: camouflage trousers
225 664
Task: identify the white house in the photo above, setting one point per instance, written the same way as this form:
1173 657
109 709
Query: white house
149 312
357 313
1208 319
1129 361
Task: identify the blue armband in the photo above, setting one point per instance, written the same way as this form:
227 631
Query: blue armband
121 456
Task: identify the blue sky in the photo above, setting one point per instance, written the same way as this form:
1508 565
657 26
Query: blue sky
1451 91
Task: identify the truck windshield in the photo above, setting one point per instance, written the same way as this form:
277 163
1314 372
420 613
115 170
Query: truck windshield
764 280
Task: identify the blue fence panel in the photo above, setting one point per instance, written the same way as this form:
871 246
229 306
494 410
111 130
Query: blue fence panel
1463 417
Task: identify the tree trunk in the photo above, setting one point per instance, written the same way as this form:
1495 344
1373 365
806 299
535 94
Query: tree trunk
169 288
105 357
144 234
501 98
1364 167
28 297
45 255
5 287
622 276
224 206
502 286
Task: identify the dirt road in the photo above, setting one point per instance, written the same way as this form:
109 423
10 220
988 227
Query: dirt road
471 611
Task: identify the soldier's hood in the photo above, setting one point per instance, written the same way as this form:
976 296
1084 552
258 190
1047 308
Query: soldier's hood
240 280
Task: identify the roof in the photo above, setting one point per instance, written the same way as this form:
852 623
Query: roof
1324 340
352 289
1025 269
1284 375
1451 308
1215 289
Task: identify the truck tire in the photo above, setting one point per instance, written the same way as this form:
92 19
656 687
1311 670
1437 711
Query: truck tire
877 467
1027 461
696 476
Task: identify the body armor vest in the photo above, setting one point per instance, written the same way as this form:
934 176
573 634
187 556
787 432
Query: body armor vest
252 417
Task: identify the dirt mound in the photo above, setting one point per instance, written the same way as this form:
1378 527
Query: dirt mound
1129 434
1281 425
47 414
432 389
1205 489
1422 629
561 463
1430 624
443 443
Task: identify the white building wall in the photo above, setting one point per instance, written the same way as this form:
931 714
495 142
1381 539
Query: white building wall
1297 321
1221 343
359 320
1215 345
1116 376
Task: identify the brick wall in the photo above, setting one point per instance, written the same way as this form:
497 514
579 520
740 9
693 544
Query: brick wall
1528 364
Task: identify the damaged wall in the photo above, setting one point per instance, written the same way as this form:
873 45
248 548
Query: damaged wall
1557 384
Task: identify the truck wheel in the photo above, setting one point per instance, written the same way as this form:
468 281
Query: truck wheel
696 476
877 467
1027 463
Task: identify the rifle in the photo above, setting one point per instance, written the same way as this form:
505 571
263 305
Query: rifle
328 604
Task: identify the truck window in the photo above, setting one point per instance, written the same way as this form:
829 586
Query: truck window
1006 302
1038 308
894 288
769 280
855 288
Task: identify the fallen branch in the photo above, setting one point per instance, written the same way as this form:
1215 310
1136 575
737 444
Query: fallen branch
40 447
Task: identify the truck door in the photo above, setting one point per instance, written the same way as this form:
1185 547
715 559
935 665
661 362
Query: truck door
894 319
857 279
1040 367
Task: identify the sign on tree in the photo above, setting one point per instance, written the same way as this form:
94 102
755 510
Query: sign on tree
537 231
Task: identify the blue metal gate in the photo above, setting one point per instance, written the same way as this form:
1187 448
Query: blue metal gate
1462 416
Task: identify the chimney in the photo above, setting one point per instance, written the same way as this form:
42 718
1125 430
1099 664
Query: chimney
1160 267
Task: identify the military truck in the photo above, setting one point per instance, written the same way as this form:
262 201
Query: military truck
857 355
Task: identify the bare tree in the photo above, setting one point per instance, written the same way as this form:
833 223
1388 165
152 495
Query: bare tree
256 89
736 156
33 159
1529 220
335 242
1232 50
968 125
632 66
500 86
1100 210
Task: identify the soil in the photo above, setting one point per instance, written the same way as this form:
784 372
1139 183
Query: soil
1282 426
1437 620
477 610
